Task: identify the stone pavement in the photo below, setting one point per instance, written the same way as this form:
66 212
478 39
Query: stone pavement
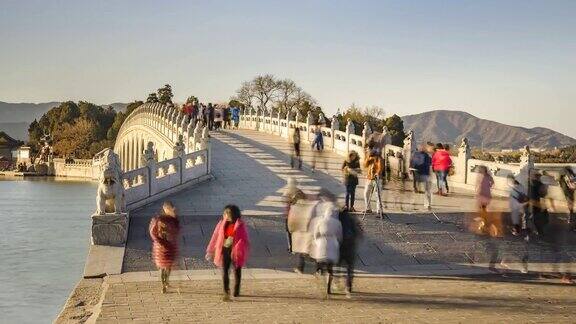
375 300
250 170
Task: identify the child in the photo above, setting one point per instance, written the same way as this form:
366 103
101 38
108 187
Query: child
164 231
229 247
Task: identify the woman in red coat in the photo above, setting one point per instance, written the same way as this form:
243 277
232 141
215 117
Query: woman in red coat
164 230
229 248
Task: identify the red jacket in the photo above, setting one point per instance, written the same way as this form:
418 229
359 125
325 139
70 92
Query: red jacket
240 245
441 161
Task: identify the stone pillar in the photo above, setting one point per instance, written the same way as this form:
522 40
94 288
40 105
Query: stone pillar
461 165
189 138
409 149
278 124
149 160
526 167
366 131
309 123
335 127
206 146
350 129
179 146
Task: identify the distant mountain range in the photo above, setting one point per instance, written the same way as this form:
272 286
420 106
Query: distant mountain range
448 126
15 117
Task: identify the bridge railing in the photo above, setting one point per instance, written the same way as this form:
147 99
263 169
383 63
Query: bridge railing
156 180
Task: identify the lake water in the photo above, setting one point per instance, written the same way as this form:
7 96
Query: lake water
44 240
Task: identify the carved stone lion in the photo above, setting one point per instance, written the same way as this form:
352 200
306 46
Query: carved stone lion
110 195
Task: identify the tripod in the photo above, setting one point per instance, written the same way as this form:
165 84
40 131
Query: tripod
380 207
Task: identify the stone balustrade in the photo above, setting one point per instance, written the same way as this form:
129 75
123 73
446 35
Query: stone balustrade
145 184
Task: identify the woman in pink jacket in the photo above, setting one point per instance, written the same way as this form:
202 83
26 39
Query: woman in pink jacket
229 246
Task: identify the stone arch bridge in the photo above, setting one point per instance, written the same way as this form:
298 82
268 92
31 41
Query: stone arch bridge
165 127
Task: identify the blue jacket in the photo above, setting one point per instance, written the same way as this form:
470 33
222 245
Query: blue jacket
421 161
318 142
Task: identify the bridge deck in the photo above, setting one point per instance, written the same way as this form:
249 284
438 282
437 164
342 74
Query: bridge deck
250 170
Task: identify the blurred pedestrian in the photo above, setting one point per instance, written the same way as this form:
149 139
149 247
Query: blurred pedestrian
536 193
518 200
450 168
398 179
229 247
351 170
226 116
296 157
484 184
210 116
351 233
236 116
164 231
292 195
567 182
421 163
218 117
327 235
317 147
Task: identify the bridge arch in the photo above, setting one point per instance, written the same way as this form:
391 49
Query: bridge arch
157 123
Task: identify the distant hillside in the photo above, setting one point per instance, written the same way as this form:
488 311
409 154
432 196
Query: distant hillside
15 117
15 130
450 126
23 112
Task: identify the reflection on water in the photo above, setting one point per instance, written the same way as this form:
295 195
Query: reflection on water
44 238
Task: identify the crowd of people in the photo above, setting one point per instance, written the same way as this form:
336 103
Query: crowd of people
319 231
213 115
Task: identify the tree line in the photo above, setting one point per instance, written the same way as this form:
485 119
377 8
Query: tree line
81 129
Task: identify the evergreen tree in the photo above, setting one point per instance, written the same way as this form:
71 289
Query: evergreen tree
152 98
165 94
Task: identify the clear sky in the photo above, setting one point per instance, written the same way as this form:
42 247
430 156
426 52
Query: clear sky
509 61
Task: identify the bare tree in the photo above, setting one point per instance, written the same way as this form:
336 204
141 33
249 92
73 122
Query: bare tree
245 95
283 96
291 96
264 88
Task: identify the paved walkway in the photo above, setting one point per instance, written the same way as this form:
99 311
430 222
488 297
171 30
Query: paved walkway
251 169
376 300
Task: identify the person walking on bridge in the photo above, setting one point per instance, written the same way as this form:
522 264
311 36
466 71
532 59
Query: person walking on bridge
441 163
164 231
568 184
351 170
317 147
296 157
374 166
229 247
420 164
236 116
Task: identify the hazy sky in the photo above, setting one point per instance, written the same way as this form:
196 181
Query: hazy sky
509 61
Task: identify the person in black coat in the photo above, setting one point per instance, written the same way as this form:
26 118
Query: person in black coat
351 233
351 170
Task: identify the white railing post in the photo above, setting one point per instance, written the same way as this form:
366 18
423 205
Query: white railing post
349 130
335 126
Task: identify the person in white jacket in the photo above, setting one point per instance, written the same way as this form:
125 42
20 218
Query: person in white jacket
327 235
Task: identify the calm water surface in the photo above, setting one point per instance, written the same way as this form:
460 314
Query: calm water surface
44 239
